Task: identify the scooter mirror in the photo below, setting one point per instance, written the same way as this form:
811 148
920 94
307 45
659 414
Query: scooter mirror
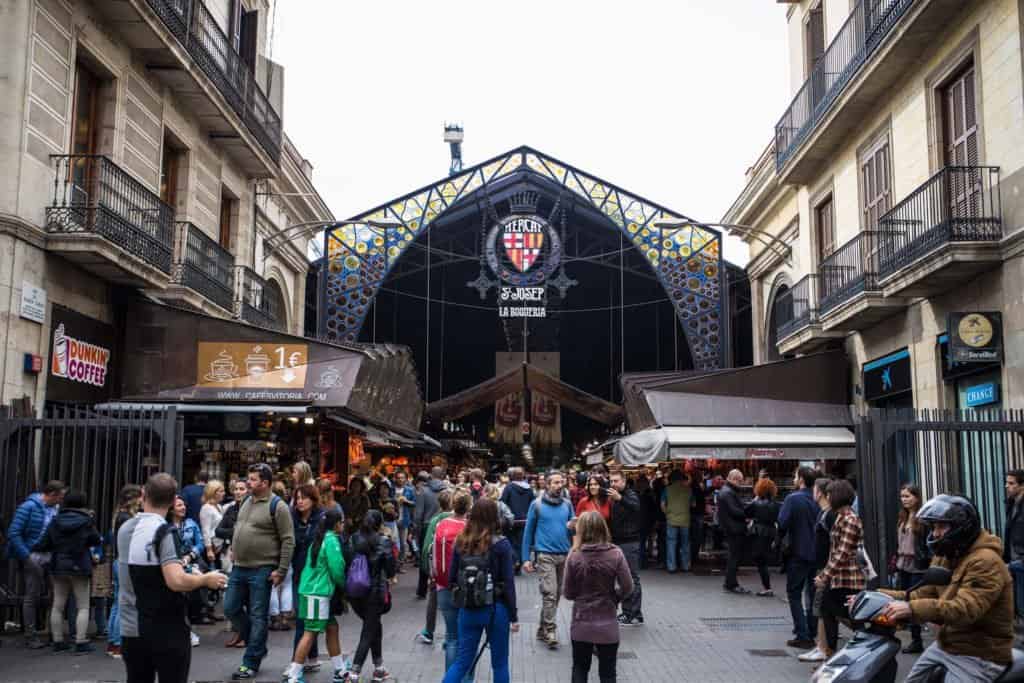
936 576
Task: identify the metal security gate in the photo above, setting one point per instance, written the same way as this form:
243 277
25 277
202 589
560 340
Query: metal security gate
90 450
964 452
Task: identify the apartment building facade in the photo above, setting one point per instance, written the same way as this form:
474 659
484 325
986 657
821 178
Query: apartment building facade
143 154
888 207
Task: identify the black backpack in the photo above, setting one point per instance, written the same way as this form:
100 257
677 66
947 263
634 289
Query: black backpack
475 585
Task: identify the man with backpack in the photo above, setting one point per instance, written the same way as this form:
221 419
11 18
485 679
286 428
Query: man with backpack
30 522
263 542
547 534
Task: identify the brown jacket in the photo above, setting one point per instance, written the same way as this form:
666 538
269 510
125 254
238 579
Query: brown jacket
975 610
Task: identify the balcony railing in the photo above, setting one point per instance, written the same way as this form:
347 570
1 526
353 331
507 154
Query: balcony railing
796 307
957 204
256 305
195 27
865 29
204 266
93 195
849 271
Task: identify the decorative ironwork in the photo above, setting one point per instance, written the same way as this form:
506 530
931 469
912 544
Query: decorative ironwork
204 266
197 30
957 204
687 260
93 195
795 308
870 22
254 302
849 271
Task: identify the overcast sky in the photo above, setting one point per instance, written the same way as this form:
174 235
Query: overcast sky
670 100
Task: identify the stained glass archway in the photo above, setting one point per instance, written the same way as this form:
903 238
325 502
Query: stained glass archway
687 259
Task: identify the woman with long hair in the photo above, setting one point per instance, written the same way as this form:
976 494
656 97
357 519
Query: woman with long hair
376 546
320 595
302 474
596 578
912 556
764 511
595 499
327 500
842 576
481 538
209 517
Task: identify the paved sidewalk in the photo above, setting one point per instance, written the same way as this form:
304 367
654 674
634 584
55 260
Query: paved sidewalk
693 632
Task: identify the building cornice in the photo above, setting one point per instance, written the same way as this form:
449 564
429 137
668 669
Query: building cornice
21 229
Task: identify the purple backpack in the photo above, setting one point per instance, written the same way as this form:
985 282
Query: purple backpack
357 580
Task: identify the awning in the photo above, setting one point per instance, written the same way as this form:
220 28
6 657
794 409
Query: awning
387 437
205 407
736 443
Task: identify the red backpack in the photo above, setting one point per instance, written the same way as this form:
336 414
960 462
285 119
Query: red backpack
444 548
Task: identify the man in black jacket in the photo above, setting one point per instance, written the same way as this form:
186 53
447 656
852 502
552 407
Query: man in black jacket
1013 541
625 529
517 496
733 523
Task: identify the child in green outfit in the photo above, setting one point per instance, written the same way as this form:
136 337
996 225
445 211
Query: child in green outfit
319 601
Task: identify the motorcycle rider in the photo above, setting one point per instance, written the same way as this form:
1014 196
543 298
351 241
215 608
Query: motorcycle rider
975 611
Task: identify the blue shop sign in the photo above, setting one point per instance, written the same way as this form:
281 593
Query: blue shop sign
982 394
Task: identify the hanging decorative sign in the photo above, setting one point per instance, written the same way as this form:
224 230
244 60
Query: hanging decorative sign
975 337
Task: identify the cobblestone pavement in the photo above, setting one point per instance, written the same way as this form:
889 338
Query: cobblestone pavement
693 632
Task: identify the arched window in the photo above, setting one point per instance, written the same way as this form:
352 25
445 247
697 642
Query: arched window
277 306
771 351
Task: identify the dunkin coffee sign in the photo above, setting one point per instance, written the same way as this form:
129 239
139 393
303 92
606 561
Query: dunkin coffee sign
81 358
77 360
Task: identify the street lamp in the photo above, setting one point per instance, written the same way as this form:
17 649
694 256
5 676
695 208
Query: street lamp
778 247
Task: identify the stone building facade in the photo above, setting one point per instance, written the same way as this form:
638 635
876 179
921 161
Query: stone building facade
889 204
142 150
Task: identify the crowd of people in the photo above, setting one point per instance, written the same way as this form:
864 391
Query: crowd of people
287 553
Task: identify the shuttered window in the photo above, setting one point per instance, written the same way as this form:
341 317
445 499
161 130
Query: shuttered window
876 187
824 224
815 38
960 127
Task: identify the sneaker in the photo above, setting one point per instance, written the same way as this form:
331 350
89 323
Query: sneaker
814 655
61 647
738 590
343 676
34 642
294 679
84 648
194 638
766 593
380 674
551 641
114 651
425 638
311 665
244 673
630 621
801 643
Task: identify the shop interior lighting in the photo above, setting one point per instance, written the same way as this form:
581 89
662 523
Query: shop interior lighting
309 420
293 420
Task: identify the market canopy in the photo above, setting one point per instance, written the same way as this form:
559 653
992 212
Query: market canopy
518 379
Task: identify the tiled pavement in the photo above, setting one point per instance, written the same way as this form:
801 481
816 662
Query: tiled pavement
693 632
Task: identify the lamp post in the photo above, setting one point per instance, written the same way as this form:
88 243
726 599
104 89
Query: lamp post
310 227
778 247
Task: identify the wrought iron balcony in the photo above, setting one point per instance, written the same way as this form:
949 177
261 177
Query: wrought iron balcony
94 196
204 266
849 271
254 303
196 29
957 204
796 308
867 27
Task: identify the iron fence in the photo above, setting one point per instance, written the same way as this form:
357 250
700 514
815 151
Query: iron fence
796 307
92 194
848 271
204 266
91 450
957 204
195 27
942 451
255 305
864 30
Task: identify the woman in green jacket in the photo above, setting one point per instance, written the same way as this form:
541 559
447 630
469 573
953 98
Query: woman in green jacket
320 598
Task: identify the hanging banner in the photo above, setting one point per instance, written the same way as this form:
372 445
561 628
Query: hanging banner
544 417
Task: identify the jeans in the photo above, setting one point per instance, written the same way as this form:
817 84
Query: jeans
424 579
446 603
372 633
1017 572
632 604
959 668
63 586
583 653
33 568
677 547
800 581
472 624
431 622
515 537
167 657
403 540
734 544
550 569
833 608
247 604
114 620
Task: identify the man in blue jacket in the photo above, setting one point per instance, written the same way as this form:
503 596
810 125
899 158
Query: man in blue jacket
796 521
31 520
547 535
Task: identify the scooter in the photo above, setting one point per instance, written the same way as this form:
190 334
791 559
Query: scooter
870 655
